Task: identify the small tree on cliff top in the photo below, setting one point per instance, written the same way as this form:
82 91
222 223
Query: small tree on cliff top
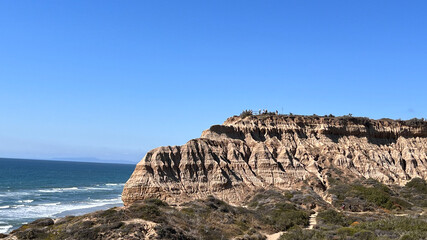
246 113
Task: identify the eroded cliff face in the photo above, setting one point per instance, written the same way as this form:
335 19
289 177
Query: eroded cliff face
232 160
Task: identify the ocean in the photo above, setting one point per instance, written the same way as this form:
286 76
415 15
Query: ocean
31 189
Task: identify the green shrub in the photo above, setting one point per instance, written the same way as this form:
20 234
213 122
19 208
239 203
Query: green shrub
378 194
246 113
375 195
155 201
253 204
340 190
296 233
146 212
288 195
31 234
168 232
418 184
416 122
347 231
333 217
242 224
400 203
365 235
414 235
111 215
86 233
285 216
108 213
188 211
402 224
285 207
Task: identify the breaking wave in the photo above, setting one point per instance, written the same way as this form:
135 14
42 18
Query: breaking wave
54 209
5 228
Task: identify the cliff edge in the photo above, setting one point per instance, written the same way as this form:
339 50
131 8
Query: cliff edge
233 160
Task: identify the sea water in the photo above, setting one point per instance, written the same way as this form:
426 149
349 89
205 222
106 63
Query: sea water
31 189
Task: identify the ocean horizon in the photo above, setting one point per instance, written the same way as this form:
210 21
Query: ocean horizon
32 189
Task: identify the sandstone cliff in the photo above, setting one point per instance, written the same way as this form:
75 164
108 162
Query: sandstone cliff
232 160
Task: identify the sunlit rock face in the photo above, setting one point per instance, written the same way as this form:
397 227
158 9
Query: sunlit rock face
232 160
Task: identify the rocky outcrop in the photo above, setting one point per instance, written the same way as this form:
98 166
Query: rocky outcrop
232 160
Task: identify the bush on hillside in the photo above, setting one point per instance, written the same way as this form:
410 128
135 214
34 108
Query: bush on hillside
418 184
333 217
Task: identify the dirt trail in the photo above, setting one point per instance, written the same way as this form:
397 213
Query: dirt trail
274 236
312 222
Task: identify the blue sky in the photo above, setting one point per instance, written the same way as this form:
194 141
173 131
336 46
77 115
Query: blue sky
114 79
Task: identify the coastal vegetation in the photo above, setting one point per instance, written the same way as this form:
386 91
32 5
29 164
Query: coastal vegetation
402 228
266 212
201 219
413 122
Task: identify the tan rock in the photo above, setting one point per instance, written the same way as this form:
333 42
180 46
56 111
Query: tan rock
232 160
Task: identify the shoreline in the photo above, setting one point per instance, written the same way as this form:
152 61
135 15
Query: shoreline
6 229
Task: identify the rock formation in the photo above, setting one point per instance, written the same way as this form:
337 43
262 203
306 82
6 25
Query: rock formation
232 160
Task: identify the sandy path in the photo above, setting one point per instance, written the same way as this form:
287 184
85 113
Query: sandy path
274 236
312 222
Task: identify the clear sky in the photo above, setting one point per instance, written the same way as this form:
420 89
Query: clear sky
114 79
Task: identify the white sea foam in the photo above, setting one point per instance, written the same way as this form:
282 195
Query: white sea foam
20 194
53 209
48 191
108 200
54 190
17 206
15 194
98 188
27 205
69 189
50 204
115 184
5 229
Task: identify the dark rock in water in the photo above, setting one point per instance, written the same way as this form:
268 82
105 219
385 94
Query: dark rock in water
43 222
3 235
